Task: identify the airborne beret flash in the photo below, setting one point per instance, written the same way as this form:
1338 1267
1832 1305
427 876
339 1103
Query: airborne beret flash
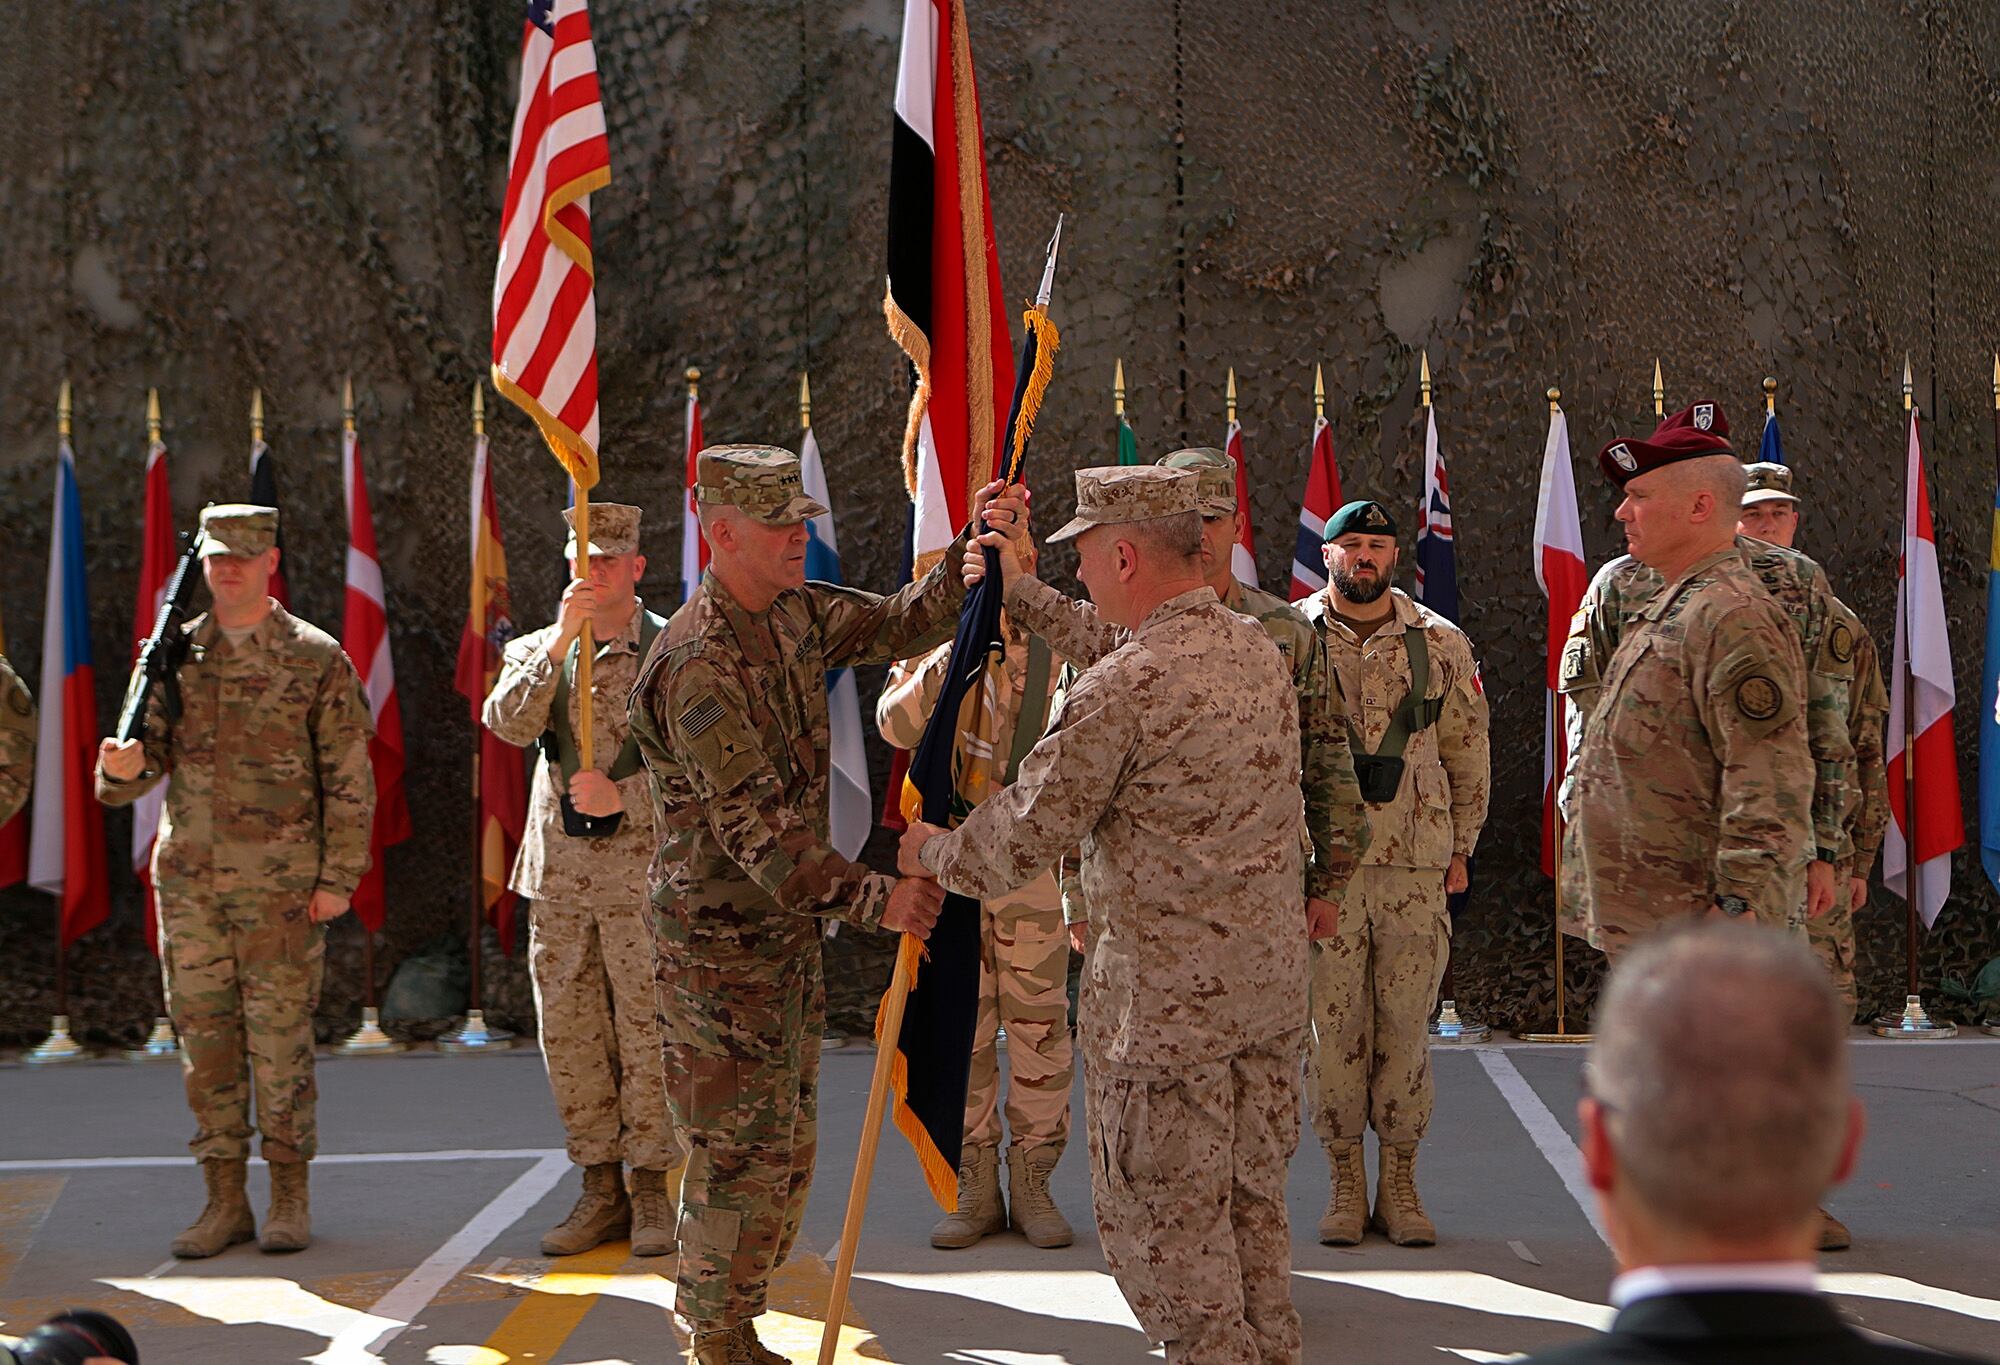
1359 518
1696 430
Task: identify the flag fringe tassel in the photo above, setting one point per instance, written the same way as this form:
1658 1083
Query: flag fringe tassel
1047 340
938 1173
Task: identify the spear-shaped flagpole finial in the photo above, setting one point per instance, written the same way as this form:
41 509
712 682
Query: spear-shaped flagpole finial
1229 394
256 416
1118 387
1049 266
1659 391
347 405
805 402
1770 396
1555 399
478 408
1909 388
1424 380
65 411
152 417
1319 392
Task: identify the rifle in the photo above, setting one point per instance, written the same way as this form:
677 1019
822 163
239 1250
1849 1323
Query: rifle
160 658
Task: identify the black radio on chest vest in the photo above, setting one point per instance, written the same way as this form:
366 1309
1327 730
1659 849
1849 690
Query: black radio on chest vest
1381 773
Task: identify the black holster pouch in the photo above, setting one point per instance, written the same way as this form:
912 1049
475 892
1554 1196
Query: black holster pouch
1379 776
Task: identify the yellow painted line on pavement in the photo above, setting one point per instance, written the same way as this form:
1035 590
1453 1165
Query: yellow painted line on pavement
561 1300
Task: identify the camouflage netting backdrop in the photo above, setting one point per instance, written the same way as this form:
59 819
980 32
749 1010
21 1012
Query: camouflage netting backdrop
211 197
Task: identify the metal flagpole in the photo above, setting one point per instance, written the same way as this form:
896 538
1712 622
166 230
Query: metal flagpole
1562 1033
1914 1023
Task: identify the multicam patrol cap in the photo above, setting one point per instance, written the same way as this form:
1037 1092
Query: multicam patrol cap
1363 518
1216 496
761 480
1114 495
1769 483
238 528
614 529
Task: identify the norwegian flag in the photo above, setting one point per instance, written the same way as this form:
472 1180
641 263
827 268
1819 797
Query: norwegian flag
156 566
544 300
1437 557
694 545
364 634
1923 661
1560 570
1242 558
1322 500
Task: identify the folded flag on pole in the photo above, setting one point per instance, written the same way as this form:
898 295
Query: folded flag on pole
1127 440
1771 449
1922 662
1242 558
502 789
1437 557
1989 695
364 634
264 493
156 566
1561 572
1321 501
66 847
934 1048
850 802
694 545
14 833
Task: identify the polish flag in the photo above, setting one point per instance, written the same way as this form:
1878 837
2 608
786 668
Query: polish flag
1561 573
156 566
1923 661
1243 558
694 548
1322 500
364 634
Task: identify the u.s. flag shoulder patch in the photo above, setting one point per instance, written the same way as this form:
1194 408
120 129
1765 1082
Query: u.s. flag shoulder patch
700 716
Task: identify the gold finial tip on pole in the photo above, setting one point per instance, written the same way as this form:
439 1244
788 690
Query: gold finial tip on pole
65 409
478 408
1996 381
1909 388
347 404
1424 377
805 402
692 375
153 416
1319 392
1555 397
1229 394
1118 387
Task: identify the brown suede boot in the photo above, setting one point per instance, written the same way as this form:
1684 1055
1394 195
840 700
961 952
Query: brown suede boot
1399 1213
979 1212
288 1226
652 1214
1833 1234
1346 1213
736 1345
1030 1207
226 1218
602 1212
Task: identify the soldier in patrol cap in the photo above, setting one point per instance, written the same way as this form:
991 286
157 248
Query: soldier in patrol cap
1417 728
582 864
730 713
17 741
263 840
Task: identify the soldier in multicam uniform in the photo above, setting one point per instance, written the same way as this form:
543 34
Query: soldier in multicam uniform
590 944
1175 764
730 712
264 838
1024 965
1419 744
1692 789
17 741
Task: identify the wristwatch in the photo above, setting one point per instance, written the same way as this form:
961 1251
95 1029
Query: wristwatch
1732 906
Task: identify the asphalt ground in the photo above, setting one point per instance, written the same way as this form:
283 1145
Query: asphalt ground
439 1174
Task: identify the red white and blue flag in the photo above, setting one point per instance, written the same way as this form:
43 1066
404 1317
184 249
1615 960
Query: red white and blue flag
1923 662
66 848
850 803
1322 500
1437 558
156 566
1561 572
1243 556
694 545
364 634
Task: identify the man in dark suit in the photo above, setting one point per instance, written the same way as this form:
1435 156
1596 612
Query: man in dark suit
1710 1172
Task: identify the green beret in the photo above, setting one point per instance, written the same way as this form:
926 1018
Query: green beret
1364 517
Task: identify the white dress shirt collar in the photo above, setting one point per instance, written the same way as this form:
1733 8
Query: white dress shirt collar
1652 1281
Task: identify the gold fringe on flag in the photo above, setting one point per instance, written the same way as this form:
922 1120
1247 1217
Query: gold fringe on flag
939 1174
1034 322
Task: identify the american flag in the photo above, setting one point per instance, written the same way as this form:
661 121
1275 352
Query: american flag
544 306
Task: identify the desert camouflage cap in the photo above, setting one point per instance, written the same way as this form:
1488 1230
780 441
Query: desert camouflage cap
614 529
1769 483
1112 495
1216 495
238 528
761 480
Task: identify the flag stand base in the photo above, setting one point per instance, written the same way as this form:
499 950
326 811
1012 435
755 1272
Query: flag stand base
1913 1023
1448 1027
1992 1026
57 1047
369 1040
1557 1037
475 1035
160 1046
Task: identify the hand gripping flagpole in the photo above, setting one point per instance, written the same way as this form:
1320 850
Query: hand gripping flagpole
1038 346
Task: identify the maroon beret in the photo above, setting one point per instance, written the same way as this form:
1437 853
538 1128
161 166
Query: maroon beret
1696 430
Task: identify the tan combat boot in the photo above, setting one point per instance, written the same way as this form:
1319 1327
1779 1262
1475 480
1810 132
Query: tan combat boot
652 1214
1346 1213
602 1212
1399 1213
288 1226
1833 1234
979 1211
1030 1207
226 1219
736 1345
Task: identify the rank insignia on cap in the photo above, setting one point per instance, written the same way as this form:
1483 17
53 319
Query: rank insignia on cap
1704 416
1622 453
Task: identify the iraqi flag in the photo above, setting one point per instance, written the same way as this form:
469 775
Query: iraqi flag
694 545
156 566
1437 558
66 848
364 634
500 793
1243 557
850 802
1322 500
1561 572
1922 661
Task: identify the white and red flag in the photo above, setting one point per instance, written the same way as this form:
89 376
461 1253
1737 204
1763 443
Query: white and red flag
364 634
544 300
1243 558
1561 572
156 566
1322 500
694 545
1923 662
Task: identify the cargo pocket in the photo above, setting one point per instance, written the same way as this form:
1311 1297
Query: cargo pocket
1639 698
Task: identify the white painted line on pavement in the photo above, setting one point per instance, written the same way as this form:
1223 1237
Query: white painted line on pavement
1521 1249
86 1163
162 1268
408 1299
1549 1136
